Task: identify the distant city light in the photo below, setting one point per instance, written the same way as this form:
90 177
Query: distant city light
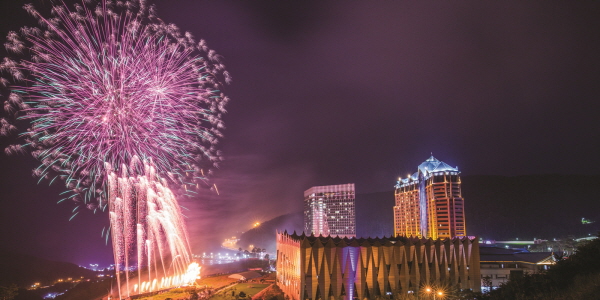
587 221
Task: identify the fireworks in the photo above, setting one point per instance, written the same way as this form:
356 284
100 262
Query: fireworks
122 108
108 83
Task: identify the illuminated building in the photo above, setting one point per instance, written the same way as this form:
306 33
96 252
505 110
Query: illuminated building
310 267
329 210
429 203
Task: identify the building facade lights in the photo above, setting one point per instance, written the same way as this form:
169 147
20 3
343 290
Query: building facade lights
329 210
318 267
429 203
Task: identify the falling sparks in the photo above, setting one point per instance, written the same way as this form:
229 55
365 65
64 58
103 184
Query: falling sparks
147 221
126 111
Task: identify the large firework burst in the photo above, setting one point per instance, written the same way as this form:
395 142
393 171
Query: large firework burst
107 83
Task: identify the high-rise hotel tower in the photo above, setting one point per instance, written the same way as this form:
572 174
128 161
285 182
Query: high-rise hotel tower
429 203
329 210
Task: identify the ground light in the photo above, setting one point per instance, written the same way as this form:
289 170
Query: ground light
439 294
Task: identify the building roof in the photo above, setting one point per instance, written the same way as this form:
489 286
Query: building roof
484 249
329 241
245 275
349 187
497 255
431 165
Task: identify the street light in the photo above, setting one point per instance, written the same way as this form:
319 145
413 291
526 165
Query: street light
430 291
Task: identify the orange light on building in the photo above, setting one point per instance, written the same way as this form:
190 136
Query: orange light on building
429 203
310 266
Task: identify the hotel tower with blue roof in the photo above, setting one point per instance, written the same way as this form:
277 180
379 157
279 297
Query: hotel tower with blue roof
429 203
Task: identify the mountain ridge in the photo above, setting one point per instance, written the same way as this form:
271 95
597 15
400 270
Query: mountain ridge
24 270
496 207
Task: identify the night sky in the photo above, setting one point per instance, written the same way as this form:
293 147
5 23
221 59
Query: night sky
329 92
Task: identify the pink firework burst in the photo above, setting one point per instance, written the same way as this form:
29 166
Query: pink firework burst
108 83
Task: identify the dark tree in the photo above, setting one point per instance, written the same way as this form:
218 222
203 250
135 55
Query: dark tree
8 292
577 277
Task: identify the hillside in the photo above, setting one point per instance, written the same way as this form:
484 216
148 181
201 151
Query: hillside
374 216
24 270
527 207
263 236
496 207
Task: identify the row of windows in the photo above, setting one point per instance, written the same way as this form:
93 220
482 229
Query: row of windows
351 192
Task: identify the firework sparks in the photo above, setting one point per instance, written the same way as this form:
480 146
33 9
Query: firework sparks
123 108
108 84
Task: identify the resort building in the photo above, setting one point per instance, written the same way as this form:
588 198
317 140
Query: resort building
317 267
429 203
498 265
329 210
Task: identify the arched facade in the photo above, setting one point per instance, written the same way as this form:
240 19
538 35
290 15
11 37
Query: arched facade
310 267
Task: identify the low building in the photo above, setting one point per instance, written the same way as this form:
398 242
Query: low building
498 265
310 267
245 275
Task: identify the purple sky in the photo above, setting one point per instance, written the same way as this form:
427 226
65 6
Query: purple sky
331 92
